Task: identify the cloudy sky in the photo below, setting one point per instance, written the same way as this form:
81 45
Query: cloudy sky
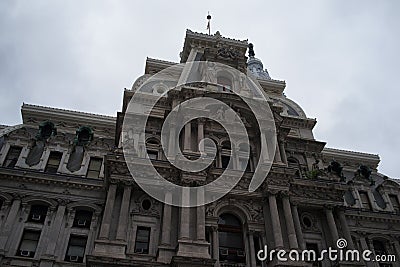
339 58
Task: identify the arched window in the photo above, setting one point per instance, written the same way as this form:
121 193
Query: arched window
231 245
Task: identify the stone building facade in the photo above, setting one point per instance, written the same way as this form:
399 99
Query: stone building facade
68 199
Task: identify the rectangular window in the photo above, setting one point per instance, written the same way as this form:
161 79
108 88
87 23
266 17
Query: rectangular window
12 156
94 167
29 242
225 161
313 247
365 200
395 203
82 219
76 248
142 240
37 213
152 154
54 162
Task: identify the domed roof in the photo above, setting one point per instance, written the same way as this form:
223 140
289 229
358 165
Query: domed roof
256 66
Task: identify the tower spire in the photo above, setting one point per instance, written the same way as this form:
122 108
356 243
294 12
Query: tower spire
209 23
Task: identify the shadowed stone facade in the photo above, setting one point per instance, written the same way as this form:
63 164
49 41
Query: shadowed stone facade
68 199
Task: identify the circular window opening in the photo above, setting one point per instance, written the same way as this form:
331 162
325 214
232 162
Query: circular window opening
146 204
307 222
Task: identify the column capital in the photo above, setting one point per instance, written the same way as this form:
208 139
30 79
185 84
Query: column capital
284 193
214 228
272 192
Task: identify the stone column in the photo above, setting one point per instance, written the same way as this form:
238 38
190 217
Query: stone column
9 223
289 223
215 243
282 150
364 246
166 223
55 229
201 219
396 247
297 224
252 250
277 154
184 232
124 214
276 224
200 134
346 230
264 144
235 158
331 224
187 145
105 225
171 143
371 247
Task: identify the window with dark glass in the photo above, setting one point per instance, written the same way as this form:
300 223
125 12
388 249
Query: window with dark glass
152 154
380 249
76 248
37 213
294 163
142 240
365 200
230 235
12 156
314 247
82 219
395 203
29 242
54 162
152 146
94 167
226 155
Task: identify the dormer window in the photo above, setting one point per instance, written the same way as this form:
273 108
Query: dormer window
53 162
94 167
12 157
366 204
395 203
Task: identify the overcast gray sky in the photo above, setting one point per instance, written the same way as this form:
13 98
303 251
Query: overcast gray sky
339 58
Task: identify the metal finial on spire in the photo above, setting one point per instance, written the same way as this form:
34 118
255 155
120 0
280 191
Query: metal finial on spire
209 23
251 50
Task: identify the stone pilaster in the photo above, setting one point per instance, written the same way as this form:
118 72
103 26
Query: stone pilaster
289 223
276 224
105 225
124 214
